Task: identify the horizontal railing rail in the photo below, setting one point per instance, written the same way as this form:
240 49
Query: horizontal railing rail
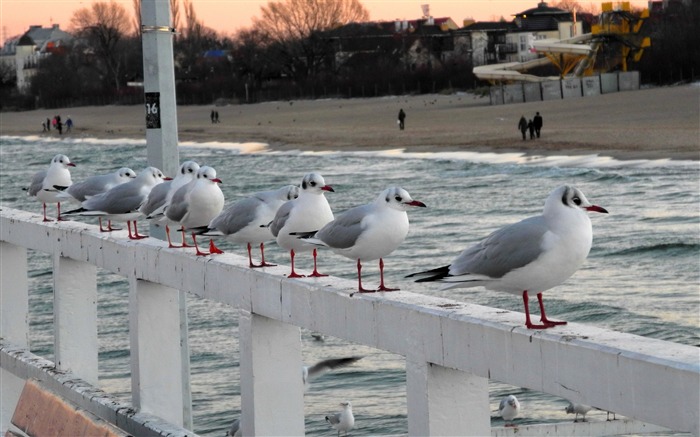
452 348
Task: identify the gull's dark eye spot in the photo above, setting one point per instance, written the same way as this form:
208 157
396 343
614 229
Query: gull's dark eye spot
398 198
312 183
387 199
182 171
577 200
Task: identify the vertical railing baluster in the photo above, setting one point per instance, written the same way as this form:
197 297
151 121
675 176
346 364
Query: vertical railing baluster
160 369
272 392
446 402
75 317
14 320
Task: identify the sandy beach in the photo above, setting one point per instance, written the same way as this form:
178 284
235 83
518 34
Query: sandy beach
652 123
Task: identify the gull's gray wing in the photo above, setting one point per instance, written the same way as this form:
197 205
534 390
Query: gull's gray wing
333 419
121 199
237 216
281 217
326 365
37 182
234 431
91 186
156 198
344 231
503 251
502 405
177 208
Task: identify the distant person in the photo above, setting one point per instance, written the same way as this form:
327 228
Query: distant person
212 116
402 117
531 128
216 116
59 126
538 124
69 124
43 126
522 125
48 124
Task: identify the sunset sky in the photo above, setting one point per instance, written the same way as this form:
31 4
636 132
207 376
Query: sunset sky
227 16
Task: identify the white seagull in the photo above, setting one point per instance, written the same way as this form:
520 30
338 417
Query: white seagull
122 202
508 409
247 220
533 255
370 231
577 409
194 205
160 196
343 421
95 185
307 213
47 184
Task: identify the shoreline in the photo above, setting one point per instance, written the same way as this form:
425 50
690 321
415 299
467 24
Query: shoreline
652 123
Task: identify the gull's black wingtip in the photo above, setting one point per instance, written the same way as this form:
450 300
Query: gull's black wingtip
431 275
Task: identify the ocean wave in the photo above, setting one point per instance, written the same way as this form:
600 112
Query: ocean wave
667 249
590 161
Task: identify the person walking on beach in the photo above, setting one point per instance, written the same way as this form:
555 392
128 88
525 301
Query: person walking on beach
212 117
522 125
537 121
531 128
48 124
69 124
402 117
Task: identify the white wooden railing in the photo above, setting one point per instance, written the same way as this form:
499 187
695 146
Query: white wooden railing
451 348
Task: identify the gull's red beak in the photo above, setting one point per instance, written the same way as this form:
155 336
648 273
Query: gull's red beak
328 188
217 180
166 178
416 203
70 164
597 208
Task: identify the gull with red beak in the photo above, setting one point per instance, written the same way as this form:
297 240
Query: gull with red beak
533 255
48 184
307 213
370 231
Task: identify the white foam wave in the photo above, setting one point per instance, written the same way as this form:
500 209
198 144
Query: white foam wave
587 161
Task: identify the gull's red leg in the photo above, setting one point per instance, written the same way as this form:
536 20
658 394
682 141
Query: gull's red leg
543 316
213 248
361 289
136 233
382 287
528 323
315 273
45 219
293 274
58 211
198 252
262 255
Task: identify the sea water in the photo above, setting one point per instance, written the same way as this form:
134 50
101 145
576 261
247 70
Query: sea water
641 277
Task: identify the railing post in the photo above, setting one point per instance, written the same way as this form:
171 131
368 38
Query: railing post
160 366
272 392
14 320
75 317
446 402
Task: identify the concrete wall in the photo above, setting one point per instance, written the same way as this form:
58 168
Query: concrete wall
628 80
608 83
496 93
551 90
571 87
532 91
513 93
590 86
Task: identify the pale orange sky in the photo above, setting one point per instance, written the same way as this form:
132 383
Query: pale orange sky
227 16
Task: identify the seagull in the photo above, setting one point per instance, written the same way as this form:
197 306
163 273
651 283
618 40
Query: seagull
235 430
535 254
95 185
122 202
160 197
508 409
307 213
194 205
47 184
247 220
343 421
370 231
312 372
577 409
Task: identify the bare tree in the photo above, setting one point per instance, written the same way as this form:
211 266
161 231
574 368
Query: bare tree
293 26
137 17
103 25
175 14
571 5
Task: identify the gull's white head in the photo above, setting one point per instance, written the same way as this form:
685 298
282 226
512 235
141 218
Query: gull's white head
571 197
397 198
188 169
62 160
126 173
207 173
315 184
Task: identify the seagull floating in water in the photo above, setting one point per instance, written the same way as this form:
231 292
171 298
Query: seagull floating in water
307 213
532 255
509 409
47 184
370 231
344 420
